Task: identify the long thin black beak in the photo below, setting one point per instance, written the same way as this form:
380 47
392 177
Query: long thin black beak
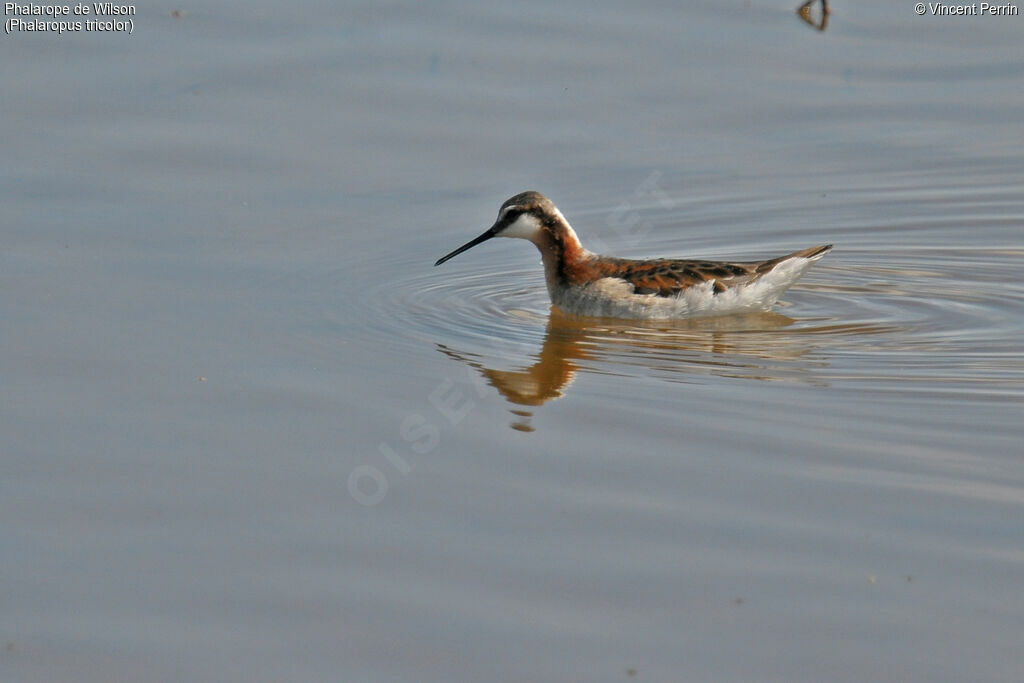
470 244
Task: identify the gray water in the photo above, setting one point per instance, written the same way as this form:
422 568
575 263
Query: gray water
250 433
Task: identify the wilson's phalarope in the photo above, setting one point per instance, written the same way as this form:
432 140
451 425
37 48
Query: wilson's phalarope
584 283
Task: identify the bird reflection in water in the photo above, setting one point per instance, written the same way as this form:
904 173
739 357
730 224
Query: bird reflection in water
806 12
748 346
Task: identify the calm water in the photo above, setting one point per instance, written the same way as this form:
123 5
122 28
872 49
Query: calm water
249 433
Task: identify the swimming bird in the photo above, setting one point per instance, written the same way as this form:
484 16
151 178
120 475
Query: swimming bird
583 283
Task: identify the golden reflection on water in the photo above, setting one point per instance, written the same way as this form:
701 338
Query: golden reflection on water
761 346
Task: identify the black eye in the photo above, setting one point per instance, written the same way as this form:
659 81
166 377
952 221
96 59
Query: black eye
511 215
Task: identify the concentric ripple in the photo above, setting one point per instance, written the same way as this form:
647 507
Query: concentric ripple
502 310
889 318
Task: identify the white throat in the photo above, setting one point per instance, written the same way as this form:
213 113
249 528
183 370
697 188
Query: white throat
526 227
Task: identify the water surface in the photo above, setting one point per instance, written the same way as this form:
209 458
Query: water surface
251 433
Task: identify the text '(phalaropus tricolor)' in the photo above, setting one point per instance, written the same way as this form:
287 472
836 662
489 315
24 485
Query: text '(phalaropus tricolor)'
584 283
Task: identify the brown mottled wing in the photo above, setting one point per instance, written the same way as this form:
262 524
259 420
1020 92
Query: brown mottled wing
670 277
